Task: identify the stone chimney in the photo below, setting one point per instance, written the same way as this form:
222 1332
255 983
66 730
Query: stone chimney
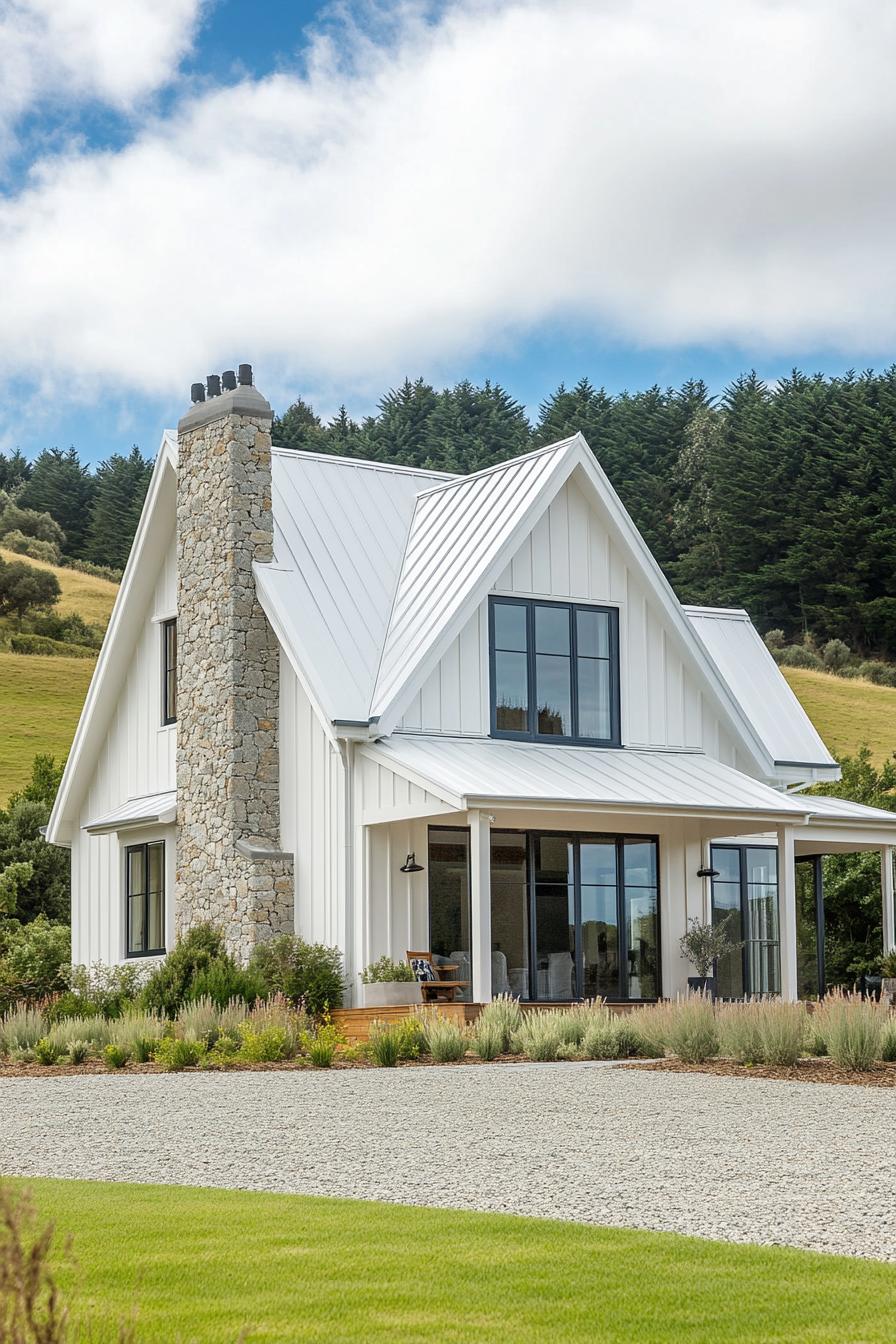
230 869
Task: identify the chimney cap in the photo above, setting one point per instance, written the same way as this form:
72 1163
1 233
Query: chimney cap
213 384
228 380
197 392
245 375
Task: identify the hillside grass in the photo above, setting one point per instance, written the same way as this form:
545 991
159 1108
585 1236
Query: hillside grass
848 713
212 1266
40 700
90 597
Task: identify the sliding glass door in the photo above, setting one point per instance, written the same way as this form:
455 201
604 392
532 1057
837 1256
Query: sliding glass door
745 904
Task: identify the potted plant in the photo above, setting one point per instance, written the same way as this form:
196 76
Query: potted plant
888 978
387 983
702 945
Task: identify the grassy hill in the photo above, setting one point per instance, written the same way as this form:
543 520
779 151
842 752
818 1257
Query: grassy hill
847 713
90 597
41 698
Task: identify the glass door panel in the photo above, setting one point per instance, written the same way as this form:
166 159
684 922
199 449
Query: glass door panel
806 930
510 914
762 920
727 915
449 901
555 917
600 919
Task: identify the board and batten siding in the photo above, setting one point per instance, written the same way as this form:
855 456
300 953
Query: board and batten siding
570 555
312 814
137 758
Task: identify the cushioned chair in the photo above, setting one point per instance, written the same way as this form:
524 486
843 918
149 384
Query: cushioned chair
500 982
560 975
432 977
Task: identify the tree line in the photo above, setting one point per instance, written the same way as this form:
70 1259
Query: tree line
778 498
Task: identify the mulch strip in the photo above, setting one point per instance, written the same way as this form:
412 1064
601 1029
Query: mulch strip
804 1071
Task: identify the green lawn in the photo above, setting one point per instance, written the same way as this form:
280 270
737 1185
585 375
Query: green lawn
204 1265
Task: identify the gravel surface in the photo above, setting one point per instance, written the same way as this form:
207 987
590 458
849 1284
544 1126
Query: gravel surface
754 1161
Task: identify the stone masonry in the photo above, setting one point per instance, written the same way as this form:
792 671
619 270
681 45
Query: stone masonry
229 866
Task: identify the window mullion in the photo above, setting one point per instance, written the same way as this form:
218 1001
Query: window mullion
574 670
530 665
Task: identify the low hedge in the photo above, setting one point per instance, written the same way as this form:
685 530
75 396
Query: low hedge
30 644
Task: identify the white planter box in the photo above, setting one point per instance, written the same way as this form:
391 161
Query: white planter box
390 994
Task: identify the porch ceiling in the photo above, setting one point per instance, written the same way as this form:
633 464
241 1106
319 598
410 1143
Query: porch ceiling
483 772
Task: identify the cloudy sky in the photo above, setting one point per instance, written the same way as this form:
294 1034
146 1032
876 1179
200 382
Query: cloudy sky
345 194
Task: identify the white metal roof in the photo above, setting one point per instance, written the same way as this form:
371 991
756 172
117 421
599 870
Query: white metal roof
469 769
154 807
842 809
459 529
340 527
734 645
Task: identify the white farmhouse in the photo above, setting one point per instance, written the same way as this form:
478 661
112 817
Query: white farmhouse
394 709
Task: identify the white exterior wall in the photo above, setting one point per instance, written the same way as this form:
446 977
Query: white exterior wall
138 758
313 823
570 555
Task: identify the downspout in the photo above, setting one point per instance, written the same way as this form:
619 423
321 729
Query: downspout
347 754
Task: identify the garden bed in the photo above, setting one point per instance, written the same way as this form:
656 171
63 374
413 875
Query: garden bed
803 1071
9 1069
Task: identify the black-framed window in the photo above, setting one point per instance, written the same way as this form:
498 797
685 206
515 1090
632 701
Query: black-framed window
745 903
169 671
573 915
145 899
554 671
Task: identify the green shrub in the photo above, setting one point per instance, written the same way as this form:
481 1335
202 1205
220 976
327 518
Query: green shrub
322 1048
97 1031
487 1037
888 1039
138 1033
78 1051
693 1034
505 1012
384 1044
200 1017
35 960
197 965
21 1028
602 1040
740 1037
882 674
782 1032
538 1036
174 1053
445 1039
116 1056
836 655
307 973
33 547
852 1029
32 644
796 655
386 971
263 1046
46 1051
631 1042
99 989
98 571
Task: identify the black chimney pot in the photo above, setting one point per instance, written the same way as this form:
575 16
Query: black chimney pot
228 380
214 385
197 392
245 375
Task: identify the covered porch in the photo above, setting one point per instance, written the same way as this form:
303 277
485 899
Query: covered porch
563 873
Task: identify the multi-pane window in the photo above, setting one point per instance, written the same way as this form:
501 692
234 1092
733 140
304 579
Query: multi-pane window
555 671
745 904
145 899
169 671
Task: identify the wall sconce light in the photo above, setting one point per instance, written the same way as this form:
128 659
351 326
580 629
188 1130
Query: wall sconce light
707 872
411 865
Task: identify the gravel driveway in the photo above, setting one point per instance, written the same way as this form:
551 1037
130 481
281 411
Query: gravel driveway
778 1163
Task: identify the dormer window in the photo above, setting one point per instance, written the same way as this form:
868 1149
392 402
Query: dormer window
169 671
554 671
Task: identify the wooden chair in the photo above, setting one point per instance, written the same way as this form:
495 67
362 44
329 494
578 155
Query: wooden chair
440 987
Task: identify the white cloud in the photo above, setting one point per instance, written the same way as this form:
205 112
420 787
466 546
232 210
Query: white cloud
114 51
670 173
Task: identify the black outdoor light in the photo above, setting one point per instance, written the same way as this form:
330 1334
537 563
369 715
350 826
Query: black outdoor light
707 872
411 865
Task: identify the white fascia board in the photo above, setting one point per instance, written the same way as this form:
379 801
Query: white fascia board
418 672
268 601
138 580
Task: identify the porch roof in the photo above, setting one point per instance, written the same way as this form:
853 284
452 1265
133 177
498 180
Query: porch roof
153 808
467 772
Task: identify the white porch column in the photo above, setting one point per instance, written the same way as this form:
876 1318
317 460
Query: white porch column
787 911
886 892
481 905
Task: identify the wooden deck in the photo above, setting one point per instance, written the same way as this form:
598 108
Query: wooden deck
355 1023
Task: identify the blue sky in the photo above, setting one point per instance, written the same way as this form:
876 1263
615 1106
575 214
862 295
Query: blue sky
525 190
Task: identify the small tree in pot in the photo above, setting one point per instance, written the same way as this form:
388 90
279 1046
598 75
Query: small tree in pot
389 983
702 945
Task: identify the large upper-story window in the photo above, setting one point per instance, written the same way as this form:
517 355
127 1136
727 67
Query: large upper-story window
554 671
169 671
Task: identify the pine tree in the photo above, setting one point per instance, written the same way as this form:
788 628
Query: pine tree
474 427
61 486
299 427
398 432
14 472
120 486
